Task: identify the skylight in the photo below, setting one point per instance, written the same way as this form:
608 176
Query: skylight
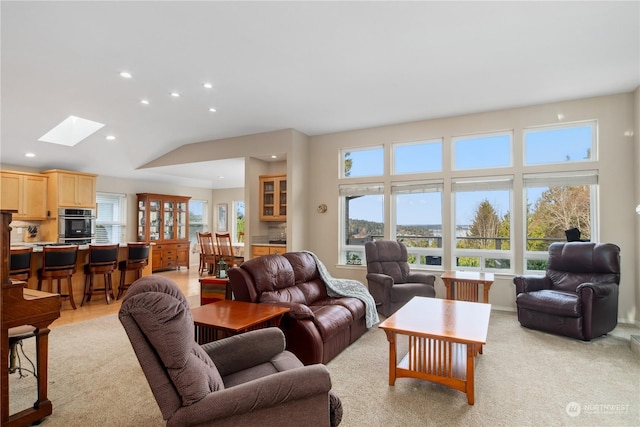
71 131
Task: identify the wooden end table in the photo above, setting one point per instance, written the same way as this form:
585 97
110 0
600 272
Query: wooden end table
464 285
444 338
224 318
213 289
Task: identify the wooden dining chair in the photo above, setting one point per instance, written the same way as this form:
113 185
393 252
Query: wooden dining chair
208 256
225 250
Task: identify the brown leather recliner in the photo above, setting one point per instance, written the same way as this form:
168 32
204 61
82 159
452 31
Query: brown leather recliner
578 296
391 281
318 327
247 379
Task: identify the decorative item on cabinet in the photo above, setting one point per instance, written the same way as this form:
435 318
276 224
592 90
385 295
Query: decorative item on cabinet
163 219
273 198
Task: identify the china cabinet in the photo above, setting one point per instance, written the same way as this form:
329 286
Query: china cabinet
164 220
273 198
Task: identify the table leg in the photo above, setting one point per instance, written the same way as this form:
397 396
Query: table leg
391 337
470 383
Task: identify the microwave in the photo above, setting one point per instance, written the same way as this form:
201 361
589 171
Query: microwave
76 226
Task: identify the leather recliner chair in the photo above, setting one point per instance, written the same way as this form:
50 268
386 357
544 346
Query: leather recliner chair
247 379
390 279
578 296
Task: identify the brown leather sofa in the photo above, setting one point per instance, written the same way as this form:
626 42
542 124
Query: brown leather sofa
318 327
578 296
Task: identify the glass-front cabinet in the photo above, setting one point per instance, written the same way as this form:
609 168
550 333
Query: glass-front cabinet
163 219
273 198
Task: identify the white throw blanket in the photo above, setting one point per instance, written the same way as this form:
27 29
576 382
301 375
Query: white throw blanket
348 288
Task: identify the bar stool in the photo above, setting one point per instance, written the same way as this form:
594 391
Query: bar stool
20 264
137 260
59 262
103 259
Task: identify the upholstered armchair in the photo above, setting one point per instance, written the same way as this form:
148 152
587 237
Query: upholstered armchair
247 379
578 295
391 282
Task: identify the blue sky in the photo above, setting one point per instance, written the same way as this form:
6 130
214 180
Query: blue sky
550 145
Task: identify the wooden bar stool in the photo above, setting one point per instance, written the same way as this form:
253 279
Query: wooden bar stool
103 259
20 264
137 260
59 262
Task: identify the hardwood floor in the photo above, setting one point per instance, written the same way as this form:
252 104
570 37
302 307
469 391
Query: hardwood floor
186 279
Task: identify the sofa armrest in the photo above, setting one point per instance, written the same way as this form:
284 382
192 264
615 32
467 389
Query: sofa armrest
421 277
296 311
263 393
526 284
243 351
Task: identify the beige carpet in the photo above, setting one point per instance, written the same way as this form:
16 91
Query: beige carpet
524 377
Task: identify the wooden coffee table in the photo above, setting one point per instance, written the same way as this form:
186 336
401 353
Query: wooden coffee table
229 317
464 285
444 338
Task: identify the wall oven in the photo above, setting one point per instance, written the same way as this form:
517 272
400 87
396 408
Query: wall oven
77 226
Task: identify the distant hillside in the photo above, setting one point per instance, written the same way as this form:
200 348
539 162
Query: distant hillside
361 228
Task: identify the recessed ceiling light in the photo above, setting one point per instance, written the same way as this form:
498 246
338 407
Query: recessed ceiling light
144 101
221 177
29 155
208 85
110 137
274 156
175 94
125 75
71 131
560 116
213 110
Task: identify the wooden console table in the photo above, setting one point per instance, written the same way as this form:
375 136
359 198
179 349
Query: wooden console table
463 285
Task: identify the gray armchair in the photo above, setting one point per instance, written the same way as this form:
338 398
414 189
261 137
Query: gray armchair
247 379
578 295
391 281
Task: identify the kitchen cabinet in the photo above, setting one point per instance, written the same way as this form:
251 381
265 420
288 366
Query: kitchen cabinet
259 250
25 193
70 190
273 198
163 219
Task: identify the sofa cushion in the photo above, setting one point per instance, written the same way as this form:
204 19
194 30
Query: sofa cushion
271 272
331 319
354 305
557 303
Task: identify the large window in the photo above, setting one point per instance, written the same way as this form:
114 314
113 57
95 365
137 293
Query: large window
418 220
560 144
485 151
198 219
238 224
483 224
556 202
362 162
111 218
416 157
363 207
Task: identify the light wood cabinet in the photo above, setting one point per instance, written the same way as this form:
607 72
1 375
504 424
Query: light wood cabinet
257 251
273 198
71 190
25 193
163 219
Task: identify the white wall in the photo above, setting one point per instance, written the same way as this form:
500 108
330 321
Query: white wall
616 164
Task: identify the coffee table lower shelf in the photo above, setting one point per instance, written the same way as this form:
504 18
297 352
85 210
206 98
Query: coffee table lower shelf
443 362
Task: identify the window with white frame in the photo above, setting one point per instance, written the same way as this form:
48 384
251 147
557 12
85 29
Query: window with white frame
111 218
238 224
362 220
568 143
417 157
198 219
418 220
482 151
482 221
555 202
362 162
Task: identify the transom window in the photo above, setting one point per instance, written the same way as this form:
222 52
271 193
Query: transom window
416 157
362 162
482 151
560 144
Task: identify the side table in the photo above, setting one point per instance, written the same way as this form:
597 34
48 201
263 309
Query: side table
213 289
464 285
